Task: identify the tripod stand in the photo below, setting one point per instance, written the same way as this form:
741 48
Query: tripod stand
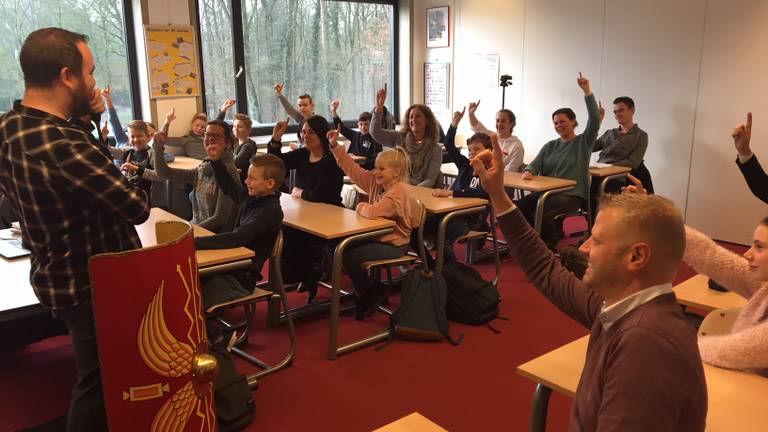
505 81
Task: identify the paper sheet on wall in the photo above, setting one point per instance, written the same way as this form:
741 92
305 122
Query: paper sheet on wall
172 60
486 72
437 87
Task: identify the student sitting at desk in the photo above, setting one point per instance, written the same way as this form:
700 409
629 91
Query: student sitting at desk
211 209
305 108
318 179
513 149
746 346
121 138
566 157
419 136
193 142
256 228
387 191
642 369
245 148
360 143
138 161
467 184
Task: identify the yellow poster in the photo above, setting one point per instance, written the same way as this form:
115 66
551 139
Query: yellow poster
172 61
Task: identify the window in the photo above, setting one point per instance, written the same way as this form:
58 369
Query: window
216 37
102 20
328 49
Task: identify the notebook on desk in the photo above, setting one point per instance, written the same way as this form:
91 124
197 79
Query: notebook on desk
11 249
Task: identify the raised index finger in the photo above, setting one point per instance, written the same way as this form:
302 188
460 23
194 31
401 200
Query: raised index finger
749 122
635 181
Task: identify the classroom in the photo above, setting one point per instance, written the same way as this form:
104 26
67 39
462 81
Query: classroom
288 193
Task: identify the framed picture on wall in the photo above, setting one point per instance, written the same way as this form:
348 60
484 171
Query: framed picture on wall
438 27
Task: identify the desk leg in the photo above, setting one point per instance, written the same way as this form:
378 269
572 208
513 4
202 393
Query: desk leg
539 409
540 205
441 233
333 330
605 181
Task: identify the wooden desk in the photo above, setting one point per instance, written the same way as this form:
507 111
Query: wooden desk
208 261
608 173
541 184
451 207
413 422
185 162
334 223
695 292
19 300
736 399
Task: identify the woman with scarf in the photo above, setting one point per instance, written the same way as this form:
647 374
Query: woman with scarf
419 136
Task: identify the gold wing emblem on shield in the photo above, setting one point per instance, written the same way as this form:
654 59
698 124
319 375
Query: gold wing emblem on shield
169 357
158 347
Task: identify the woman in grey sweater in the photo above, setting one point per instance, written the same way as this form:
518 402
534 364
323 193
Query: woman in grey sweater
418 135
211 208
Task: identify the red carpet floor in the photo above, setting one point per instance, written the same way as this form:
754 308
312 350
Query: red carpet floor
471 387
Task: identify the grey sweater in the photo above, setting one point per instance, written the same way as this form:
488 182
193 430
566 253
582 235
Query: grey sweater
211 208
617 148
429 173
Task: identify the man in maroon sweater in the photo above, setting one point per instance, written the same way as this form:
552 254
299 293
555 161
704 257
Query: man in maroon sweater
642 370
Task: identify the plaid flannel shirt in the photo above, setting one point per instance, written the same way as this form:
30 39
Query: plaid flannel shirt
72 201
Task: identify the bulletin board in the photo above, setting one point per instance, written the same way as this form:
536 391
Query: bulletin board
174 69
437 86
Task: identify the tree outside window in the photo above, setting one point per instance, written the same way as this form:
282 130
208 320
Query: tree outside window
101 20
328 49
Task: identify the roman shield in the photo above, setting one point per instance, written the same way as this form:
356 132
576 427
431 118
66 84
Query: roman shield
155 368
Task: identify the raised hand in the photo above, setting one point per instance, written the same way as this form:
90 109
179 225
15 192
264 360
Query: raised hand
106 93
105 129
601 110
158 141
584 84
279 89
97 103
279 129
473 106
635 187
492 178
170 116
742 134
381 97
457 116
334 106
229 103
333 137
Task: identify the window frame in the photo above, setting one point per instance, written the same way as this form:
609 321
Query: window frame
133 59
238 57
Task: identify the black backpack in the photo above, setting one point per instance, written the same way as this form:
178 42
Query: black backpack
421 314
234 400
471 299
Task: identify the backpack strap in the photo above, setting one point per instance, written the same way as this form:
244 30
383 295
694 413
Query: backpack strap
442 319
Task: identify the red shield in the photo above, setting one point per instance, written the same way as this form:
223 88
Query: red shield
155 367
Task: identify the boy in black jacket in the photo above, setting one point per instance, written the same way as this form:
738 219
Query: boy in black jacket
256 228
467 184
361 143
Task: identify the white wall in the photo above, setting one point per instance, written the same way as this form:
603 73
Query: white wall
732 83
692 66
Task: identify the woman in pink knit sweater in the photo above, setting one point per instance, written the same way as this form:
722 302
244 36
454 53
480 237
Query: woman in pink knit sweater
387 189
746 346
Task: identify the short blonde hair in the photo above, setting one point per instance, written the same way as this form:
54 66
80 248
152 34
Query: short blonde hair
274 167
654 220
396 158
199 116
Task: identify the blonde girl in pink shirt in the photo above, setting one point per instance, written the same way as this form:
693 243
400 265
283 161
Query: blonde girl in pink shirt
387 189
